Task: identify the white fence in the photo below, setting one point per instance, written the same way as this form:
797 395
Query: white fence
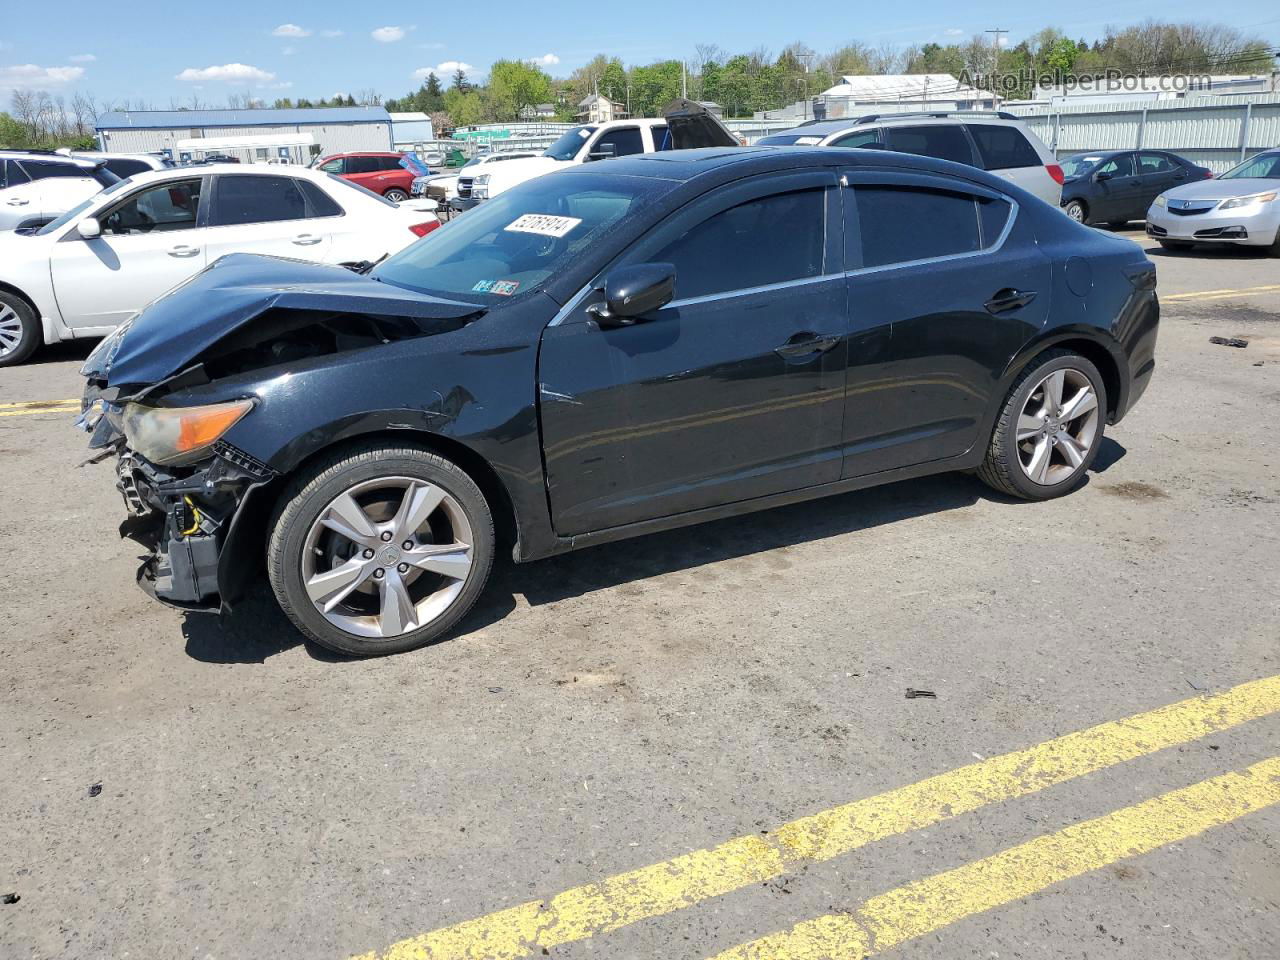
1215 132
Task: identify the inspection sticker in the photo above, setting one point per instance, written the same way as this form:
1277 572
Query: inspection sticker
543 224
501 288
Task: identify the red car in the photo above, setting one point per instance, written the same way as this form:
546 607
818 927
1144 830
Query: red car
379 172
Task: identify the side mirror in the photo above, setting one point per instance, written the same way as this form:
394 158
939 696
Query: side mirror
1100 176
89 228
631 292
603 151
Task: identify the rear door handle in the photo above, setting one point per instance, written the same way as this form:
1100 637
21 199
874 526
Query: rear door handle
807 344
306 239
182 250
17 202
1009 299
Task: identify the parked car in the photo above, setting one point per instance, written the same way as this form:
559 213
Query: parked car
995 141
219 158
122 164
1240 207
443 187
98 264
38 187
684 124
379 172
615 350
1117 186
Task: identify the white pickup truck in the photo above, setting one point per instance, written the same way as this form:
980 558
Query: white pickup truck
683 125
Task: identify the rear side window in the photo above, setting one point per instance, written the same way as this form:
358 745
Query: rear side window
661 138
126 168
362 164
946 141
1119 166
763 241
902 224
1003 148
1155 163
390 163
256 199
15 174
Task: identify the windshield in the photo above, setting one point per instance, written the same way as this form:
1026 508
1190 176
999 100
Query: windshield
81 207
1079 166
1265 166
512 244
567 147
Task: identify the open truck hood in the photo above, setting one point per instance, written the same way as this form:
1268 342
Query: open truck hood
166 336
693 126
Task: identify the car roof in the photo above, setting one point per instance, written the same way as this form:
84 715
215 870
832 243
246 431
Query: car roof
226 169
825 128
50 157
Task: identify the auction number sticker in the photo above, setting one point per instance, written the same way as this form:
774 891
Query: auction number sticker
501 288
543 224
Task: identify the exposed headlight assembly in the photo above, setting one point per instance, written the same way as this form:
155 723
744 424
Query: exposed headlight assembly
1160 201
480 187
1235 202
177 435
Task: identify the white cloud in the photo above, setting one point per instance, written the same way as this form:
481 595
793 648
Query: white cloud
290 30
227 73
83 58
330 33
546 60
38 78
443 70
954 32
388 34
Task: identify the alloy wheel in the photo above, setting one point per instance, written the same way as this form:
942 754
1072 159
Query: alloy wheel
10 330
1057 427
1075 212
387 556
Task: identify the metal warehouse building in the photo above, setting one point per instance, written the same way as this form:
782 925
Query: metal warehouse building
252 135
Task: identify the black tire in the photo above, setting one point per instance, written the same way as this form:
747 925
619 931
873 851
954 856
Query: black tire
1077 211
1175 244
1274 249
309 493
14 308
396 195
1002 470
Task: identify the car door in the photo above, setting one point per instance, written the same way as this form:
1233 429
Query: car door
946 283
1159 172
617 142
264 213
151 241
365 171
731 391
1116 185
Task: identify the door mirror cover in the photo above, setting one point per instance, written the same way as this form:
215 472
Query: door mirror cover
630 292
605 151
89 228
1100 176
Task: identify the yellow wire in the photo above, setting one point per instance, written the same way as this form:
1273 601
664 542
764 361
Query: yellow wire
195 511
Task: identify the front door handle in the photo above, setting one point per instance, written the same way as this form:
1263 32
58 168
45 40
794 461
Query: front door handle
306 239
1009 299
17 202
807 344
182 250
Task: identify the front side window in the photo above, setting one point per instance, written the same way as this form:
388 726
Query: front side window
256 199
1121 166
770 240
904 224
1003 148
625 141
867 139
158 209
332 166
946 141
1078 166
512 244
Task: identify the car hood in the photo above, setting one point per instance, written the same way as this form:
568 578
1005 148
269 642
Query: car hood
1222 189
168 334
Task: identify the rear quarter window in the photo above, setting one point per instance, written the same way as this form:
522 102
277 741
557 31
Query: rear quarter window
1003 148
946 141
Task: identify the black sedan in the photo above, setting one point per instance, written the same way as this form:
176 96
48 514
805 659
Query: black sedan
1117 186
642 344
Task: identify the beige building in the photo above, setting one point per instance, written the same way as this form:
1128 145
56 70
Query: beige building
600 109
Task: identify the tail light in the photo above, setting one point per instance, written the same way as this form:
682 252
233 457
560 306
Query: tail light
1055 171
1208 174
422 229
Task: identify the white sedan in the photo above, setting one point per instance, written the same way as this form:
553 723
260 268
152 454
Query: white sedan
98 264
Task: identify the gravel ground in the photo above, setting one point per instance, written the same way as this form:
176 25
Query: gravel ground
610 709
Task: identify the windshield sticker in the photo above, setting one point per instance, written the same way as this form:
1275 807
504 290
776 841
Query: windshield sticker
499 288
543 224
808 141
584 134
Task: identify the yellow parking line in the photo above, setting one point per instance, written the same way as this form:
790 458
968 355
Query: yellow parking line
928 905
1217 294
31 410
688 879
26 404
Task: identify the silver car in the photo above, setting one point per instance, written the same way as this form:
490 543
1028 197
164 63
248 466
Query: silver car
1241 207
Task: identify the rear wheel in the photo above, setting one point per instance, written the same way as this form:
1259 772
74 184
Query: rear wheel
1049 429
396 195
1175 244
380 549
19 329
1077 211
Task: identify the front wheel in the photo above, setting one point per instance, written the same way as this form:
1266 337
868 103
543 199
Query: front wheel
19 330
1076 211
380 549
1049 429
396 195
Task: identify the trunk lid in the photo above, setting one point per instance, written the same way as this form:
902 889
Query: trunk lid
693 126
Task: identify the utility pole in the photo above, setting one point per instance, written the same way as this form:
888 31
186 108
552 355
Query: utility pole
995 66
684 80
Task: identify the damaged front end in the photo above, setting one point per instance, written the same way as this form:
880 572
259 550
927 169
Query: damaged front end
183 511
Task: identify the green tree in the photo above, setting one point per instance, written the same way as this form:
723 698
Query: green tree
460 81
654 86
514 85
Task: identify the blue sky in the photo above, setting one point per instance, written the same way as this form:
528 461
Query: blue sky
164 51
